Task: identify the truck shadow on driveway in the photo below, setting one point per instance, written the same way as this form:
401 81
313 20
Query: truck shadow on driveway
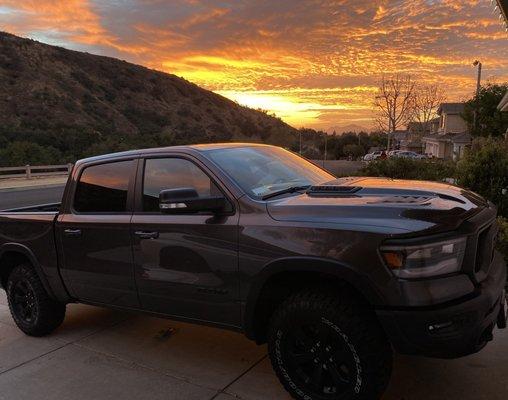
181 360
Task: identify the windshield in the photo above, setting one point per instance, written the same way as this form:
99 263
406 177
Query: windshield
260 171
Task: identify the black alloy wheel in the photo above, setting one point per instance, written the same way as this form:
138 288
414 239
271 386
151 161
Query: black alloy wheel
326 344
24 303
33 310
322 360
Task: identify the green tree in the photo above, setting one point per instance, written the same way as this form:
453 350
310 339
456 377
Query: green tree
484 170
353 150
489 120
23 153
408 168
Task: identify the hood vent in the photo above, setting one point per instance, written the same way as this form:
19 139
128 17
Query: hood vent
332 190
419 200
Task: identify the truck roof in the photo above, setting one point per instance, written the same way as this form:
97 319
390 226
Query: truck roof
183 149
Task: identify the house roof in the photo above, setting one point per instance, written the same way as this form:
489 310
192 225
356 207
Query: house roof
451 108
400 134
462 137
417 126
414 124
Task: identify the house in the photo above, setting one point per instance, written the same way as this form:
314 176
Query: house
398 137
449 136
434 124
415 132
411 138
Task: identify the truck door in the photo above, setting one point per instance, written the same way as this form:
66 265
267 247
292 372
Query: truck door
186 265
94 236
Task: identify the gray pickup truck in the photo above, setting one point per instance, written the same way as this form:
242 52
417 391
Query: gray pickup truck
334 274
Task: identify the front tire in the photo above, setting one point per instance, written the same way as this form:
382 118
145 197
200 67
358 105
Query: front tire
329 346
33 311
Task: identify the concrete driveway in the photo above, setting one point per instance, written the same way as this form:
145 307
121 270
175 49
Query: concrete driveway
102 354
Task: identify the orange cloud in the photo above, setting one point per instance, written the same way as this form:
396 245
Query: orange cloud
313 64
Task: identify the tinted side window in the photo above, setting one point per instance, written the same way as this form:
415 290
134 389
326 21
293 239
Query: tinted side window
172 173
103 188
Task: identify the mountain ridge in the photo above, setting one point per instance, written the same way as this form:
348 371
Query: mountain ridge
77 104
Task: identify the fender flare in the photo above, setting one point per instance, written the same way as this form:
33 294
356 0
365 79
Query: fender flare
25 251
304 264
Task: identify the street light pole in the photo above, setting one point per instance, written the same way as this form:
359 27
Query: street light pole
478 86
326 137
479 77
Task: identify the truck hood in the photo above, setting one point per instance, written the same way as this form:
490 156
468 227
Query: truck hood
398 206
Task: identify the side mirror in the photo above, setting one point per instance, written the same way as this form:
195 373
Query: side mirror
187 200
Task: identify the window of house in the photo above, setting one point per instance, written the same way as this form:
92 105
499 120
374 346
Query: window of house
171 173
103 188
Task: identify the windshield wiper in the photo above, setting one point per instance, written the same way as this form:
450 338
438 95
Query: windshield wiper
290 189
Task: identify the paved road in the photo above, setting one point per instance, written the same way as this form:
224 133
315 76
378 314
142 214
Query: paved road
12 198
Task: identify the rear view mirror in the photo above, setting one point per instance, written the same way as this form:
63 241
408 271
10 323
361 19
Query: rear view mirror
187 200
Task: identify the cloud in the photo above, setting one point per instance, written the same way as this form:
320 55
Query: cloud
312 62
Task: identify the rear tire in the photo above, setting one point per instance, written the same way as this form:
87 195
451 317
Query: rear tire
329 346
33 311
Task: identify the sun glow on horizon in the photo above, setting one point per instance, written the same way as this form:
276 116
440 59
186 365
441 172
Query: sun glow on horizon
289 106
312 66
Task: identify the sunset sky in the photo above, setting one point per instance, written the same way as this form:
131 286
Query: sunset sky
313 63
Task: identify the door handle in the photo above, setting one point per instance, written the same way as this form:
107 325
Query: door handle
72 232
147 235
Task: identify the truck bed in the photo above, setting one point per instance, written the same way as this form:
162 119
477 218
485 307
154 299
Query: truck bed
50 207
30 231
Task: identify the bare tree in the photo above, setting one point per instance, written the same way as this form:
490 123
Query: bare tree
427 99
394 103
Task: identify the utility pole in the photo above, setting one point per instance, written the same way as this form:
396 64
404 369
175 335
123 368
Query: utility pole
388 135
478 86
300 142
479 77
326 140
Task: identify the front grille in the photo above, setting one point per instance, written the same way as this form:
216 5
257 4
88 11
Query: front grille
485 248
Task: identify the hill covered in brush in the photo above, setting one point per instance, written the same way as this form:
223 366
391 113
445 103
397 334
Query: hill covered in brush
57 105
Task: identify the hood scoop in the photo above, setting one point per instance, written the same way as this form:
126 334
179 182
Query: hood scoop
414 200
332 190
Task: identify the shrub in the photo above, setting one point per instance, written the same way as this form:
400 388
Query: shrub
407 168
353 150
22 153
502 242
484 170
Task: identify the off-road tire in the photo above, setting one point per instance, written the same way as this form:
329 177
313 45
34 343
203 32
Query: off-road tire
350 331
33 311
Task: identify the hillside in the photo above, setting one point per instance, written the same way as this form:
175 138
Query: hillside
61 104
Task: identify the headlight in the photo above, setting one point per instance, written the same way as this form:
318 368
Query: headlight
420 261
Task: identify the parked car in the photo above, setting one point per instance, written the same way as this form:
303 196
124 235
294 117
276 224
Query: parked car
391 153
372 156
332 273
409 154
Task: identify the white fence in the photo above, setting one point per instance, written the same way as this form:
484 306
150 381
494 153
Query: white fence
31 171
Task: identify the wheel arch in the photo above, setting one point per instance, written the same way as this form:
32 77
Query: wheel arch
13 254
305 270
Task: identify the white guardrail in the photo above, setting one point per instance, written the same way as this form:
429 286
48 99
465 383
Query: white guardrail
33 171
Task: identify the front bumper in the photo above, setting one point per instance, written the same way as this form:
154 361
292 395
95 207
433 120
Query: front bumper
453 330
